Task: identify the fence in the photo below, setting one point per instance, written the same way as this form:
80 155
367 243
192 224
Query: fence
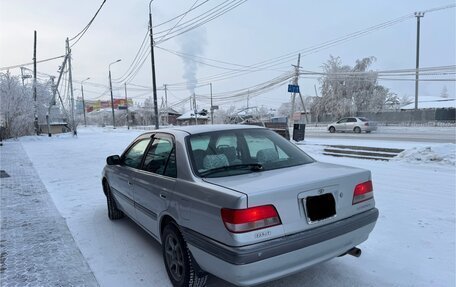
445 115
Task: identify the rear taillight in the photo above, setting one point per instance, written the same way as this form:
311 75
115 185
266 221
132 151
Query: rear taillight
363 192
366 124
244 220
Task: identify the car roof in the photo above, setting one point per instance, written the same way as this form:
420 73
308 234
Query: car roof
205 128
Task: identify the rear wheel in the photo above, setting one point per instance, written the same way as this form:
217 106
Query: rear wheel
357 130
113 212
178 262
332 130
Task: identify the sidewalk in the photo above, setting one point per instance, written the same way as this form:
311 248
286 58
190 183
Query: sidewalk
36 246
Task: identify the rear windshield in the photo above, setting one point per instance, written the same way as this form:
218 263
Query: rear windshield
234 152
363 119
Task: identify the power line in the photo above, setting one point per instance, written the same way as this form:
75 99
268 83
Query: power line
84 30
143 54
134 63
267 64
188 26
177 23
29 64
174 18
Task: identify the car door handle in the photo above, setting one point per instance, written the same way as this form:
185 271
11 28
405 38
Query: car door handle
162 196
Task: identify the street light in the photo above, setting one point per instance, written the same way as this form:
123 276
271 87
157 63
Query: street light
154 86
83 102
112 99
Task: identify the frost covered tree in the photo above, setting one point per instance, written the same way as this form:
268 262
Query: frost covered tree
392 101
406 100
16 107
346 90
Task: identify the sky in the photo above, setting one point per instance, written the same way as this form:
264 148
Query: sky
251 33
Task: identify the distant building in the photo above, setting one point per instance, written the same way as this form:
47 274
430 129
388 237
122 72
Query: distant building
188 119
57 122
169 116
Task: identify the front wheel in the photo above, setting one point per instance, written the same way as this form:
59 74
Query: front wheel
113 212
178 261
332 130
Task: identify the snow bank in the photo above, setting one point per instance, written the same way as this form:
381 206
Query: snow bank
442 154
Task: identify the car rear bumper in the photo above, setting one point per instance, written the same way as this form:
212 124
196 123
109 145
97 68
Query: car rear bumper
369 128
269 260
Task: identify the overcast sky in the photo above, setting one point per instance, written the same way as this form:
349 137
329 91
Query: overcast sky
253 32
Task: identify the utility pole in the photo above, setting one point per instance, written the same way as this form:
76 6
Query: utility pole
70 81
126 103
195 110
112 98
83 102
418 15
48 115
37 128
293 97
212 107
154 85
55 90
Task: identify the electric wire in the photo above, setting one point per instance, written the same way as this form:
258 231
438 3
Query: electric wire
84 30
177 23
31 63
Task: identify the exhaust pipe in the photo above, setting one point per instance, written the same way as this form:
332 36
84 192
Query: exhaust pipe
354 252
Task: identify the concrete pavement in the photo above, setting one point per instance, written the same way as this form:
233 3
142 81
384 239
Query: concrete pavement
36 246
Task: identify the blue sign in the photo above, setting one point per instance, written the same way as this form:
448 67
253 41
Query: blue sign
293 89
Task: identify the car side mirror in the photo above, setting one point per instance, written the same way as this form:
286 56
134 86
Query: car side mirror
113 160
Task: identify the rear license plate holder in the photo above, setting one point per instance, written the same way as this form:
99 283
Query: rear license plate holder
320 207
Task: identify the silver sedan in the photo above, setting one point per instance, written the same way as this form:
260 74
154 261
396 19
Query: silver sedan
352 124
238 202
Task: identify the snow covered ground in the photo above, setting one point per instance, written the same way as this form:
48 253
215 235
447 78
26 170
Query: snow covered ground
413 243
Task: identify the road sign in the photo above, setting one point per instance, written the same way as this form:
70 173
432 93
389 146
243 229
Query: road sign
293 89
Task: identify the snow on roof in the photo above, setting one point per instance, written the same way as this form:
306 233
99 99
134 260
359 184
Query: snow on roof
432 102
191 115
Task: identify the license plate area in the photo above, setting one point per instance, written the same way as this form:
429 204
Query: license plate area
320 207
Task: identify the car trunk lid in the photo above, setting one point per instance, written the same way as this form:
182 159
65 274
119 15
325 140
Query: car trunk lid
305 196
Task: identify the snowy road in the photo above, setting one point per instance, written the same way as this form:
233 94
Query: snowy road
413 243
410 134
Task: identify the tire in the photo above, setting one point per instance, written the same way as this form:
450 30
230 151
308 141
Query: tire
113 212
332 130
179 263
357 130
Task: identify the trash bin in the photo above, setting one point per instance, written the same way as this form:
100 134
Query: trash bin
299 132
